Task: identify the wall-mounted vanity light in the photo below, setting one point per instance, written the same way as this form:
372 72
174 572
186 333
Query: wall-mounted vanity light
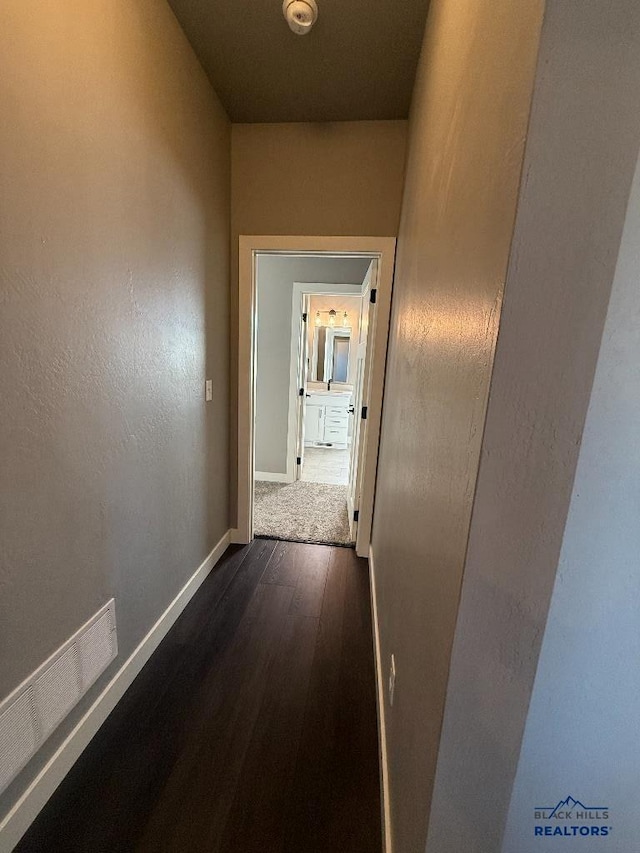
332 318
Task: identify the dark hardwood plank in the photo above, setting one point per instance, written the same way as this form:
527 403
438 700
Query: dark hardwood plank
312 579
203 780
256 820
333 762
284 566
303 566
308 811
252 727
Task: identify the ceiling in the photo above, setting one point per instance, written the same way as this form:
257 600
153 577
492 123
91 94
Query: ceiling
358 62
326 270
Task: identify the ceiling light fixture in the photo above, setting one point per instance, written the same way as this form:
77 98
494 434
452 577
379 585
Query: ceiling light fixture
301 15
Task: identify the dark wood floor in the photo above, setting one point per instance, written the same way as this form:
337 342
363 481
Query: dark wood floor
252 728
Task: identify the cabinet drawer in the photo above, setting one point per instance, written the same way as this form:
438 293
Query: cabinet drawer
337 412
335 434
338 423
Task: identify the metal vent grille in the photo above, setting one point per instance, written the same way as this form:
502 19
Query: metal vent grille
18 736
96 649
34 709
57 690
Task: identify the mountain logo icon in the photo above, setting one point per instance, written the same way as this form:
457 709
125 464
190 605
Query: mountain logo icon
565 807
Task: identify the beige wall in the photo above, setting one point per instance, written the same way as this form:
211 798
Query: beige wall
114 236
467 131
342 178
318 179
571 213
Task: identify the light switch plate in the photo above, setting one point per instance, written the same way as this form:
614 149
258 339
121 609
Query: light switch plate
208 390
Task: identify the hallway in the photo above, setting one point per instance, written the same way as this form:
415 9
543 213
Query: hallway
252 728
234 251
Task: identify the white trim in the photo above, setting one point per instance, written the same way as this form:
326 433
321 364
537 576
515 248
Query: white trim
379 328
294 379
235 537
382 248
387 840
16 822
268 477
362 376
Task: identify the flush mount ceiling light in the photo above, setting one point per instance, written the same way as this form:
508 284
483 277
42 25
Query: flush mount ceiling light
301 15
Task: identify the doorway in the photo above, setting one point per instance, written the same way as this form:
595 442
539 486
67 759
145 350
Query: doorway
307 498
322 464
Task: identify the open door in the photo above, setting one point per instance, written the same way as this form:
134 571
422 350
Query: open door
303 373
360 398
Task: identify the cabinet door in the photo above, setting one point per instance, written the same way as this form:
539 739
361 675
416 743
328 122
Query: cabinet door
314 420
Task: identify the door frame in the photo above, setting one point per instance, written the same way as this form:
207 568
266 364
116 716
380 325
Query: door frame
382 248
300 290
360 398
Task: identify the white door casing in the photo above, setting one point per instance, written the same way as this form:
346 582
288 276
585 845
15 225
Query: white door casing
360 398
302 380
250 246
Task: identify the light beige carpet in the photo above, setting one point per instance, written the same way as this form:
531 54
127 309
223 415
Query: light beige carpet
301 512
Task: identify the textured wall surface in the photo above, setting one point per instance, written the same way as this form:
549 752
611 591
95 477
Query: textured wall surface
466 145
276 277
342 178
581 152
114 212
323 178
582 736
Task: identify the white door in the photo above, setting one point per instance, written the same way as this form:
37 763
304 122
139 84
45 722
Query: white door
360 398
303 371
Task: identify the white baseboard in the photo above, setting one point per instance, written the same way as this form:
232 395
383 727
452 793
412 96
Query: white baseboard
237 538
14 824
382 729
267 477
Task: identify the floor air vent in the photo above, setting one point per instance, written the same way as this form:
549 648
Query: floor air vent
34 709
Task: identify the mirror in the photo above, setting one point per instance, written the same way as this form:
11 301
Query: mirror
330 359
